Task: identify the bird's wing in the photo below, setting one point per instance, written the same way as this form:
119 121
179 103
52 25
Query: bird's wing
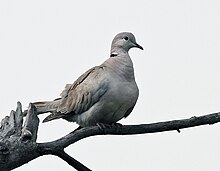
65 91
84 92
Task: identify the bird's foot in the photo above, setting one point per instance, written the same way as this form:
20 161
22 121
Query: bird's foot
104 126
117 126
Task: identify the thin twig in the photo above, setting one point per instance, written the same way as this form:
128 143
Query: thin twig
71 161
59 152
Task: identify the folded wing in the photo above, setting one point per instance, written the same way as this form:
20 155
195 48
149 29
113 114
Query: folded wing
78 97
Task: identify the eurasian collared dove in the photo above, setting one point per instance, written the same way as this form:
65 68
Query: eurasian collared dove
104 94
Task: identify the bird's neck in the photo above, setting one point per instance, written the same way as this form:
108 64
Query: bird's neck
115 51
121 63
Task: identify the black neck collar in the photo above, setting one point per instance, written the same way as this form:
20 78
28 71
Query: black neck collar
113 55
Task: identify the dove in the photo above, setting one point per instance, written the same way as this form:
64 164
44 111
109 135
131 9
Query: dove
102 95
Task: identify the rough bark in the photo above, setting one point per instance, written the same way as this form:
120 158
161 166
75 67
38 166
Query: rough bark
18 144
18 141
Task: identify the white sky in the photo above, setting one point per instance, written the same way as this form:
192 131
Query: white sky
45 44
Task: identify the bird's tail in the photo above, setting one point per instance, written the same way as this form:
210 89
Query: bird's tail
45 106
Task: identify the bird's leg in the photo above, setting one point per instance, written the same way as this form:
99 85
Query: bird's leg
103 126
117 126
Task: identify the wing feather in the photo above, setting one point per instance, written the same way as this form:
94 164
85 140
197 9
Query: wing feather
84 92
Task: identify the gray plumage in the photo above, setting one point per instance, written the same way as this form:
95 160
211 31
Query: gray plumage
104 94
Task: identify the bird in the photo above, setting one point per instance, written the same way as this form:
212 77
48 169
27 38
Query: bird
102 95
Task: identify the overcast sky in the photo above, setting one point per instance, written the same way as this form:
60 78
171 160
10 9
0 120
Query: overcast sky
46 44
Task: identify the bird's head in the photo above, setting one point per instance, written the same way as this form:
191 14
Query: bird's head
124 41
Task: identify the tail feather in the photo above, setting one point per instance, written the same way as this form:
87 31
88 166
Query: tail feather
54 115
46 106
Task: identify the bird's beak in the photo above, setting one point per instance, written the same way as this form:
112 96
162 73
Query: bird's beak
138 46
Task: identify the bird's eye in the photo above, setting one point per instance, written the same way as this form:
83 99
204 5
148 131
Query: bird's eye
126 37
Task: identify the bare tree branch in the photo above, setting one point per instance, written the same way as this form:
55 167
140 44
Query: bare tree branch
18 145
174 125
59 152
17 141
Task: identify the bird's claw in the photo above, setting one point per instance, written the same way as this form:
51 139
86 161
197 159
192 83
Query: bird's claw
103 126
117 126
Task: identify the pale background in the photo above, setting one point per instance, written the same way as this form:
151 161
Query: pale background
45 44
